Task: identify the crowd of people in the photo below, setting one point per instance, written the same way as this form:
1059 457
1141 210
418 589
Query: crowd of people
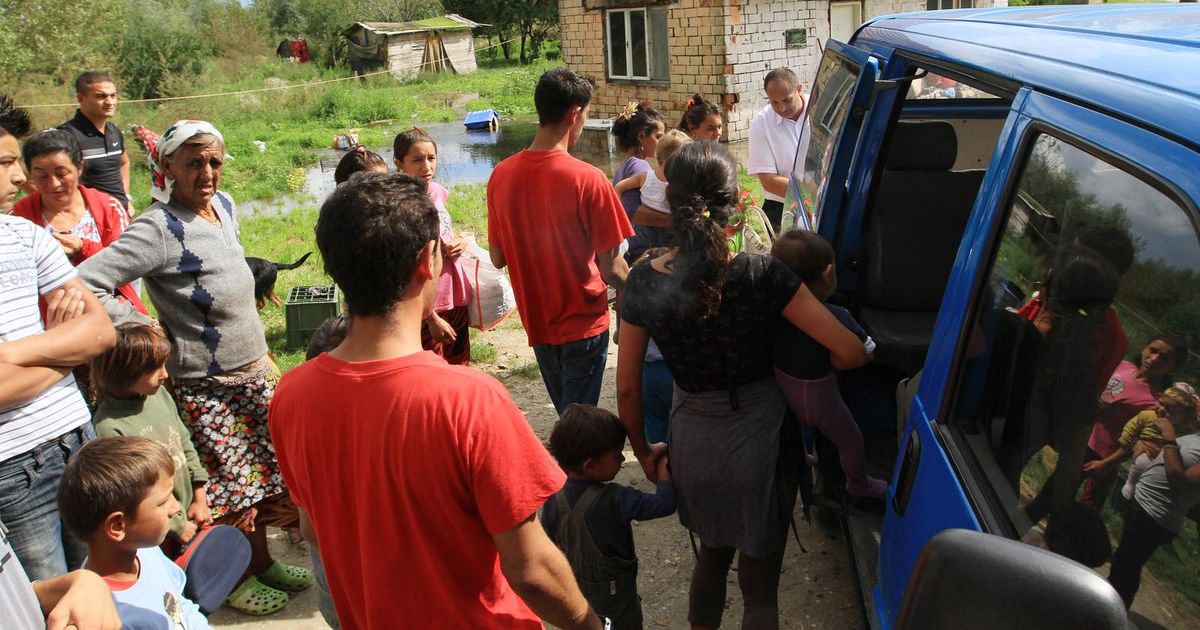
160 449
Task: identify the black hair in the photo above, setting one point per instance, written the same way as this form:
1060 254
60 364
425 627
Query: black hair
359 159
330 334
49 142
804 252
1082 286
696 110
585 432
557 92
702 193
642 121
781 74
370 232
1178 343
406 139
87 78
1112 242
14 121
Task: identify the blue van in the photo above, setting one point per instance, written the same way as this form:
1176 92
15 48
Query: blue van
956 159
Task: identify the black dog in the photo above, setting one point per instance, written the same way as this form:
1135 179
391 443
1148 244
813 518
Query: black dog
265 273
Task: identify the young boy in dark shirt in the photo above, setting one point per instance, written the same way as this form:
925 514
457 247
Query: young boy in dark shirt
589 519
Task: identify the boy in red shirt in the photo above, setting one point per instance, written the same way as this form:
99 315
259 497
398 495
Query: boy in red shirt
557 223
417 481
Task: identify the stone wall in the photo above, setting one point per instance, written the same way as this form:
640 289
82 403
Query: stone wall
722 49
697 51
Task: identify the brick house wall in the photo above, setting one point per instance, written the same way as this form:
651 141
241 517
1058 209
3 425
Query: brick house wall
721 49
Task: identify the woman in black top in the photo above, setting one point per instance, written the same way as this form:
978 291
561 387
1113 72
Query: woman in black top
711 314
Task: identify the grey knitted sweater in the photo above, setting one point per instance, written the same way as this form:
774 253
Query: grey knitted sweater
196 275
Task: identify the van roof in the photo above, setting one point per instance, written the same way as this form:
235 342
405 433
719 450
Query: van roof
1137 61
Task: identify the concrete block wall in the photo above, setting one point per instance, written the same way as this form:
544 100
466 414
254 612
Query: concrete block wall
697 47
876 8
755 43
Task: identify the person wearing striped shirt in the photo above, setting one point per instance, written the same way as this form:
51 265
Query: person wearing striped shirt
43 417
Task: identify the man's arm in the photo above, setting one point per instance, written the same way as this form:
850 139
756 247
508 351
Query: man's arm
19 385
613 267
497 254
79 599
653 218
125 174
540 575
69 343
774 184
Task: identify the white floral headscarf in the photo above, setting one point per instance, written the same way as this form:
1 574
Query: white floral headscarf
168 143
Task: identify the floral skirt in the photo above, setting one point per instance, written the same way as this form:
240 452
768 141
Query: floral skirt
227 417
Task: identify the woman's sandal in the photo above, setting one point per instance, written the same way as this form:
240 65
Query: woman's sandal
286 578
255 598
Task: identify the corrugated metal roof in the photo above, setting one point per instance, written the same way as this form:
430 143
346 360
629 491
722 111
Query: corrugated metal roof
448 22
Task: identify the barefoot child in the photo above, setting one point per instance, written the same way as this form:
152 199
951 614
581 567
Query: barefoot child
116 495
589 519
445 331
803 369
1177 403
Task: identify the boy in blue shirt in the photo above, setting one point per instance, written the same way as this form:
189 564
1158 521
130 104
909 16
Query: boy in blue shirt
589 519
117 496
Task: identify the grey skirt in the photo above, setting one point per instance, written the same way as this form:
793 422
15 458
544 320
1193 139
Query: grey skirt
724 452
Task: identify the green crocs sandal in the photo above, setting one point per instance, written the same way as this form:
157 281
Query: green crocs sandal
286 578
255 598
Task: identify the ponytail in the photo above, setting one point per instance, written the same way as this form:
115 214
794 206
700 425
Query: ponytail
702 192
695 110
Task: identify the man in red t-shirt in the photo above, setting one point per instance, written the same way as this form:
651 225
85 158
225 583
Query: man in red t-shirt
417 481
557 223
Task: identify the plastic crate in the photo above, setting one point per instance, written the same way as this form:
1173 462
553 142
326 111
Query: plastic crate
306 308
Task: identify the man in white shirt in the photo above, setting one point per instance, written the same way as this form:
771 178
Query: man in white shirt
775 134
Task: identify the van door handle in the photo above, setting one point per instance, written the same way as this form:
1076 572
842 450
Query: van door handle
908 474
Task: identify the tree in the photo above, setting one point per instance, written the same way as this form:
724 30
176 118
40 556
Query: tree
531 21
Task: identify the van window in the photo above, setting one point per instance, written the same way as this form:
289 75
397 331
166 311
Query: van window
832 92
1082 324
936 86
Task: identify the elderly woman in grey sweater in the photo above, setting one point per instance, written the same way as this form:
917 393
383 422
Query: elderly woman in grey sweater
185 246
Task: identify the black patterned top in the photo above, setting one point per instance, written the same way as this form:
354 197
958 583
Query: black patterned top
728 349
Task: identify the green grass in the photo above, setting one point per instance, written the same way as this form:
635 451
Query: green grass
294 122
528 369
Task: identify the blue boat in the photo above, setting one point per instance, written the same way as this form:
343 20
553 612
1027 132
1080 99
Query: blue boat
482 120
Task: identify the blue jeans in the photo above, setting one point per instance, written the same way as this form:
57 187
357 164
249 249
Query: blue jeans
29 506
324 598
573 371
657 389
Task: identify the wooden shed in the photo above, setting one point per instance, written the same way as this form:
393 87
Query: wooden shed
437 44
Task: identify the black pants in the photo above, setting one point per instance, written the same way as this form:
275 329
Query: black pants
1140 537
774 211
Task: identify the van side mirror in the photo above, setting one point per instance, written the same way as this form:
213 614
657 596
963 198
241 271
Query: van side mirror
967 579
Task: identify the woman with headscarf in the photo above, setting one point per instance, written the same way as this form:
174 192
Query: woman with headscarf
185 246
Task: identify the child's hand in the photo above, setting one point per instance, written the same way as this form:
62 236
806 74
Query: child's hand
1149 448
440 329
198 512
189 532
663 469
1094 466
454 247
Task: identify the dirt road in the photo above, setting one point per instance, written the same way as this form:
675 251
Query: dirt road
816 589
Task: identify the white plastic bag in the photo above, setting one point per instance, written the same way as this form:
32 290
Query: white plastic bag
492 299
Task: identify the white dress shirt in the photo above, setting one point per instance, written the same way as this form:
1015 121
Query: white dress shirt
773 143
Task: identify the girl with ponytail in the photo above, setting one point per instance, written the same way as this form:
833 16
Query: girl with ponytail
712 315
701 119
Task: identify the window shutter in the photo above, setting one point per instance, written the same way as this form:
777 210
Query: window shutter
660 45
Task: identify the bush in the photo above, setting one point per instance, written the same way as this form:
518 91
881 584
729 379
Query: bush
158 42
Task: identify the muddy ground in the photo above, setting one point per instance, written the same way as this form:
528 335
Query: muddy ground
816 589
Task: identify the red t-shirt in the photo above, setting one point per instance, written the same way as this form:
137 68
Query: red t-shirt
406 467
550 213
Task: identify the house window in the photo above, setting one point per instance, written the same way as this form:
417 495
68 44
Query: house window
934 5
637 44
